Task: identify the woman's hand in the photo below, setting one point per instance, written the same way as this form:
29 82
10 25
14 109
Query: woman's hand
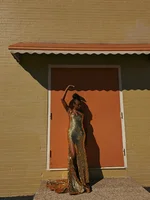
69 87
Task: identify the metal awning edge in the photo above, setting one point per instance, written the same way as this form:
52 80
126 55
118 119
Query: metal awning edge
78 52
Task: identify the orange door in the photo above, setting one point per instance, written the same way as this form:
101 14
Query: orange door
100 88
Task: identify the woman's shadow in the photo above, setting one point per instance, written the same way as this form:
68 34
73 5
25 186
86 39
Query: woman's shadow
92 148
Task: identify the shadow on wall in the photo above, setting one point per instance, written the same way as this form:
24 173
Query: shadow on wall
147 189
17 198
133 77
91 145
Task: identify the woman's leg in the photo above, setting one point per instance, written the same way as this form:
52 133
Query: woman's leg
75 186
73 157
72 150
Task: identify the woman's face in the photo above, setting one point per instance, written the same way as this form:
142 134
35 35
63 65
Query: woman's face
77 105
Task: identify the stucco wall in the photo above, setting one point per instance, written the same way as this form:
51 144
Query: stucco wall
23 99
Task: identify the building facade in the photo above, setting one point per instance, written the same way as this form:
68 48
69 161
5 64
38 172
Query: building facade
24 99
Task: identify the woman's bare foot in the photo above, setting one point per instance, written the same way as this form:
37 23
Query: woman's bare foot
88 188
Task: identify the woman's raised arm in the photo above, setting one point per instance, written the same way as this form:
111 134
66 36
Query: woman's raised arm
64 96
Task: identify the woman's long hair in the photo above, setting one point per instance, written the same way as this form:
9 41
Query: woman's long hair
75 96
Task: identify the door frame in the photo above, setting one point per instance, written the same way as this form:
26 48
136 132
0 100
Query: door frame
121 111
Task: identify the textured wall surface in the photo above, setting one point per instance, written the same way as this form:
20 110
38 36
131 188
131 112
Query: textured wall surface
23 88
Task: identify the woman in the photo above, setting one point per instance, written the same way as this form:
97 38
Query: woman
78 175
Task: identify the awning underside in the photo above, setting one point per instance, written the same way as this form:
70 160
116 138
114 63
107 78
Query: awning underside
89 49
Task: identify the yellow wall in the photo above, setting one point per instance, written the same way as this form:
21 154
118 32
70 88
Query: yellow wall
136 93
23 93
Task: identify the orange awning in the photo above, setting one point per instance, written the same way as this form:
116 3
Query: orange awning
51 48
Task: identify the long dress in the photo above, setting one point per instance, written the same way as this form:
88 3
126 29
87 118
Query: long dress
78 174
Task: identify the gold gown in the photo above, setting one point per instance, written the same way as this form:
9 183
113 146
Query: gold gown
78 174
